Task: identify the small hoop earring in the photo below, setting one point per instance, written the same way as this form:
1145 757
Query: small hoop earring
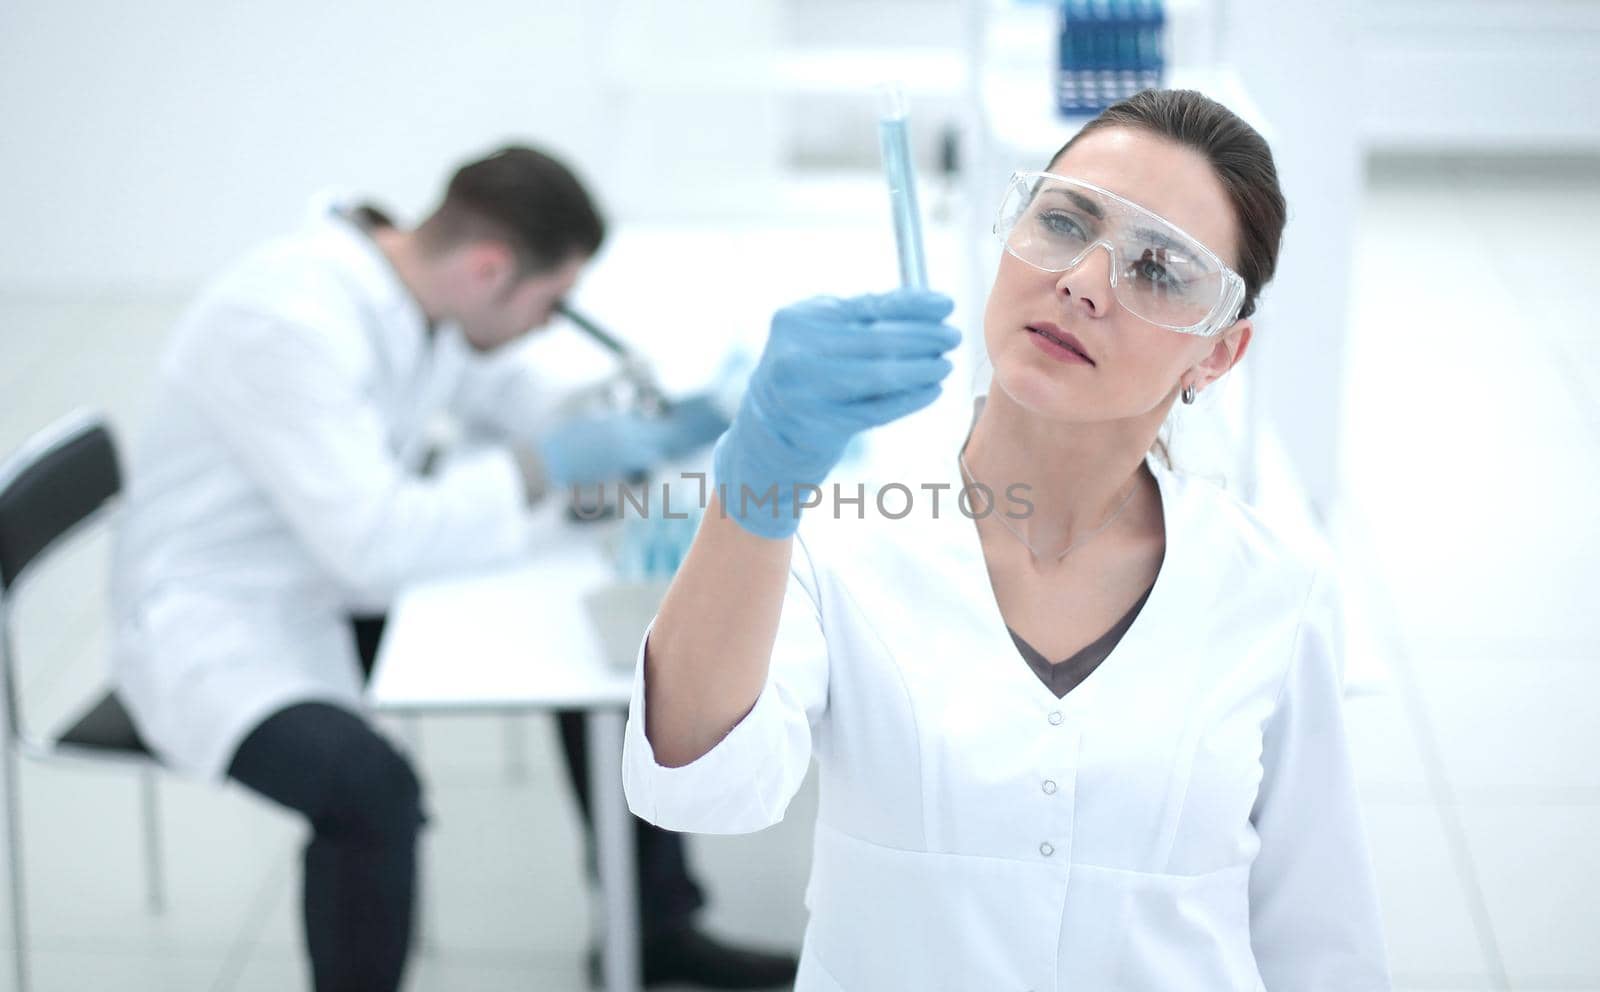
1188 394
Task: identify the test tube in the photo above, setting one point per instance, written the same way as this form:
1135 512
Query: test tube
902 188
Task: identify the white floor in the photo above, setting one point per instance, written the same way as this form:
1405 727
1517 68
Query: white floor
1472 452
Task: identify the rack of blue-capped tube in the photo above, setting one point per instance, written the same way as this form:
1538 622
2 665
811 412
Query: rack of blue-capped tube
1110 49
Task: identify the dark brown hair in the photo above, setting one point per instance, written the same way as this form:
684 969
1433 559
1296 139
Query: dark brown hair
524 198
1238 155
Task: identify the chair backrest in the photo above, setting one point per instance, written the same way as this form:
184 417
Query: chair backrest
54 482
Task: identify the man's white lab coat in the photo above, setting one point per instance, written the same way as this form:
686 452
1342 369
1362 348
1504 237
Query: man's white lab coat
275 489
1185 819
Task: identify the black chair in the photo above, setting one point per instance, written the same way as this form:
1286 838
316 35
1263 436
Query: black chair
51 489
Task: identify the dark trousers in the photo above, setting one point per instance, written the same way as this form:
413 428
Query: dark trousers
365 808
364 804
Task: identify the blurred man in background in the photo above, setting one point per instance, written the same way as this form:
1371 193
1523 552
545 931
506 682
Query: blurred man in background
284 488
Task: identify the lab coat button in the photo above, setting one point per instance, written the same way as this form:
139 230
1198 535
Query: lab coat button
1046 850
1049 787
1055 717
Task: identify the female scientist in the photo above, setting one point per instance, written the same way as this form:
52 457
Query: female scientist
1090 740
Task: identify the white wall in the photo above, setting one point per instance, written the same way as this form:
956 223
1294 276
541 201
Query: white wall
144 143
1506 75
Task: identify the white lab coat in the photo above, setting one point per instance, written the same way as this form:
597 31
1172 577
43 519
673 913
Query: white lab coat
275 489
1184 819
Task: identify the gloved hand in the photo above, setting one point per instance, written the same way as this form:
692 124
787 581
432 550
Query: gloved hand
610 446
689 424
831 368
599 448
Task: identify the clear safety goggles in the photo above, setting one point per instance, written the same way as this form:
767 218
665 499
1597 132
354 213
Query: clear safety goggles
1158 272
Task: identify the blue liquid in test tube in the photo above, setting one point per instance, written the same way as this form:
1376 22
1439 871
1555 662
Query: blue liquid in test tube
902 189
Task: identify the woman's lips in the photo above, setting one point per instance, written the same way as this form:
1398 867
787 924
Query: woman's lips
1058 344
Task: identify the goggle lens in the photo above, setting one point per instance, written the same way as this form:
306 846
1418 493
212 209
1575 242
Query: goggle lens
1158 273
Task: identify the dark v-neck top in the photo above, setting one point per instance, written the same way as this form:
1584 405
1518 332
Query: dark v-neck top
1061 677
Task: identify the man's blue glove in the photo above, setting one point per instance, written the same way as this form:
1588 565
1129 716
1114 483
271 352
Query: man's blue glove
610 446
831 368
690 424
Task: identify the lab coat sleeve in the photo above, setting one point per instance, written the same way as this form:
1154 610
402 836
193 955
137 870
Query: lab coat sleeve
288 404
1315 924
747 780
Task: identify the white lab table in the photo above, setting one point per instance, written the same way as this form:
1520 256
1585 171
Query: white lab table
520 639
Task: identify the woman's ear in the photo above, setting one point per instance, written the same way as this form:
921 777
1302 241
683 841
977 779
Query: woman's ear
1237 339
1227 350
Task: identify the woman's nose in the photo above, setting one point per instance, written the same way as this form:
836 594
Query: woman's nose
1088 283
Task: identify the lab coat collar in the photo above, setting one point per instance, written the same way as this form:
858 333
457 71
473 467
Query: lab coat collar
408 332
369 265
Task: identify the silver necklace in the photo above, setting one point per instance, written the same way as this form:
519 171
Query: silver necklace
962 461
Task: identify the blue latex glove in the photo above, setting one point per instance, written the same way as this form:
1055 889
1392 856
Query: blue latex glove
610 446
831 368
600 448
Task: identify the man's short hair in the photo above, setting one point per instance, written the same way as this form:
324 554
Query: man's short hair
524 198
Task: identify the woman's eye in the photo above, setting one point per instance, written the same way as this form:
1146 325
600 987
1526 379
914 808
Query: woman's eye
1144 268
1151 271
1062 224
